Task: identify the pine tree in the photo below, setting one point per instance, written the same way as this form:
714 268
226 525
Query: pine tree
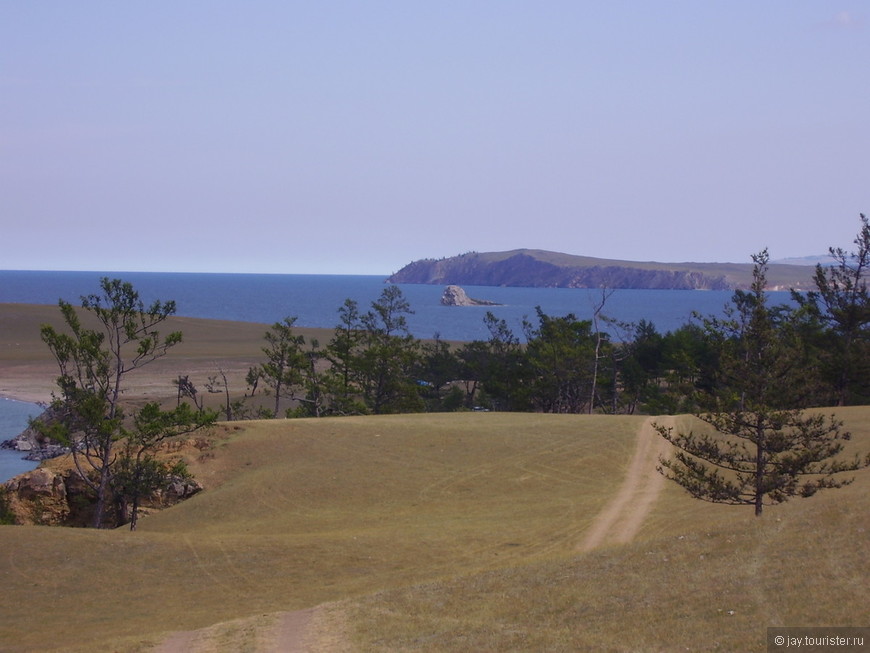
285 362
843 301
761 449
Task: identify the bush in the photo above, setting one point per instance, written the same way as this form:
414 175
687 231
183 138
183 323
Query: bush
7 517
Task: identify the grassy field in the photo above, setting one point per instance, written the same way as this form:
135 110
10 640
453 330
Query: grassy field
444 532
698 577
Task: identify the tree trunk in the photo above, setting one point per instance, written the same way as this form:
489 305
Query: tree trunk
134 513
595 366
102 491
759 471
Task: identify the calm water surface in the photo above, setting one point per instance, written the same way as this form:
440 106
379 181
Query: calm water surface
315 299
13 420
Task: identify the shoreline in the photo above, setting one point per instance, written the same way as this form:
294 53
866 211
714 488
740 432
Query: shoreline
15 461
25 397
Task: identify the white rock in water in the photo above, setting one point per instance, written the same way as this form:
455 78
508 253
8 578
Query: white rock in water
456 296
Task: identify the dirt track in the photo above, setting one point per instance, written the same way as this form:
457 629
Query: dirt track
319 629
285 631
622 517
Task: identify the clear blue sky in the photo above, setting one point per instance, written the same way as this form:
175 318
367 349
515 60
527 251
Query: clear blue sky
355 137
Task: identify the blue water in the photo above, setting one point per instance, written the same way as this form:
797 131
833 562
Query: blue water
315 299
13 420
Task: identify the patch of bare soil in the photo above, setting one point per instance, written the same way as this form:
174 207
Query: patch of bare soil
315 630
289 633
184 641
622 517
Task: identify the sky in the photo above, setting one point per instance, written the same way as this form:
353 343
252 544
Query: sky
355 137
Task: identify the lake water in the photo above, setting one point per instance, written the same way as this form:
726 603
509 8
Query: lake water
14 416
315 299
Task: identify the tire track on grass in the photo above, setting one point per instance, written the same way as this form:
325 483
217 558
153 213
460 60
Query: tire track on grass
519 459
321 628
622 517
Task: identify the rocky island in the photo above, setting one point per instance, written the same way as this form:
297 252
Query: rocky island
456 296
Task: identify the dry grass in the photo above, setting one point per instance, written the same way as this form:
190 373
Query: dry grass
708 589
439 533
297 513
699 577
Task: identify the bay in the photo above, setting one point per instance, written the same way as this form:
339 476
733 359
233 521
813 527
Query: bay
14 416
315 299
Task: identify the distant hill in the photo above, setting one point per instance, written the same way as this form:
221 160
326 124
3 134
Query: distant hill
536 268
821 259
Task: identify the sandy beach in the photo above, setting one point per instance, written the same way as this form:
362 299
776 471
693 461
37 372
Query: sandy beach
28 371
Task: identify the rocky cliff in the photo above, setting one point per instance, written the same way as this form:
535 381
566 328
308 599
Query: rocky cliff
55 494
53 497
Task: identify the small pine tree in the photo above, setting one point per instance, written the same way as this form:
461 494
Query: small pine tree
761 449
843 301
285 362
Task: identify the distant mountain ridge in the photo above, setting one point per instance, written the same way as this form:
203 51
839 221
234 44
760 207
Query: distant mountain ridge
819 259
536 268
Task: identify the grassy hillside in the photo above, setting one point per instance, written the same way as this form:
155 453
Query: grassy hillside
437 532
699 577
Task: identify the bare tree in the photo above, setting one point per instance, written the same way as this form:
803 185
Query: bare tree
597 316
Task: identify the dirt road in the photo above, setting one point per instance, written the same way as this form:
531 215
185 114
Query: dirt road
622 517
287 632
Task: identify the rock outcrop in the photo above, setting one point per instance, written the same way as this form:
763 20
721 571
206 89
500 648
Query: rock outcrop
34 444
50 497
456 296
37 497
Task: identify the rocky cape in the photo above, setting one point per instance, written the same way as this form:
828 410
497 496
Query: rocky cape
55 494
543 269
